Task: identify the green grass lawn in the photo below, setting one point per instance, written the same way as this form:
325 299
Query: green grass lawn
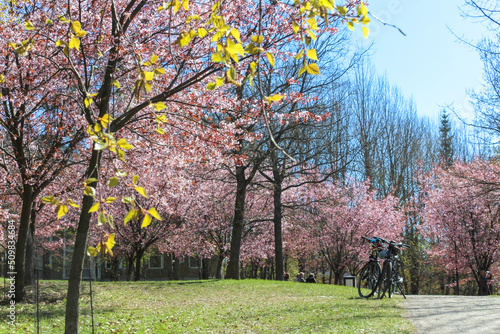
225 306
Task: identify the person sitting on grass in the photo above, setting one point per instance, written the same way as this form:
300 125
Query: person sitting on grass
299 278
311 278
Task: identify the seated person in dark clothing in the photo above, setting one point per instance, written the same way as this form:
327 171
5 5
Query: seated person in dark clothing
311 278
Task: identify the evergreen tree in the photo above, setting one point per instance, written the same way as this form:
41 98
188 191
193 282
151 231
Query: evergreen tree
446 153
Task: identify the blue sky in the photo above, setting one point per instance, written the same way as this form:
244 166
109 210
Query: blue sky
429 64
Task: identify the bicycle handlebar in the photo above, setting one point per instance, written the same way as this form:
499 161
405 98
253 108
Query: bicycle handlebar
375 239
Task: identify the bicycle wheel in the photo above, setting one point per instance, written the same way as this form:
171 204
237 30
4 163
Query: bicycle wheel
384 283
368 279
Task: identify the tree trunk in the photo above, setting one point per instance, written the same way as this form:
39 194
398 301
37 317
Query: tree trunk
233 266
22 240
75 275
205 268
29 277
218 273
176 268
138 260
278 233
130 267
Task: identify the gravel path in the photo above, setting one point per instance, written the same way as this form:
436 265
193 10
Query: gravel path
454 314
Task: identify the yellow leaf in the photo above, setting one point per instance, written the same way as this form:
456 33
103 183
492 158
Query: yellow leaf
276 97
160 106
111 221
148 76
310 33
185 4
342 10
120 173
29 26
161 118
48 199
299 55
313 69
94 207
236 34
124 144
76 26
302 70
89 191
141 191
130 215
270 57
365 20
154 213
312 54
105 120
295 27
363 9
202 32
101 219
111 241
91 251
154 59
160 70
60 43
88 101
217 57
81 33
146 221
350 25
73 204
148 86
74 43
62 210
160 131
211 86
113 182
257 39
366 31
110 199
312 23
135 178
177 6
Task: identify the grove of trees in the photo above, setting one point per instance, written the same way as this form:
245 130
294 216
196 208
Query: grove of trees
203 129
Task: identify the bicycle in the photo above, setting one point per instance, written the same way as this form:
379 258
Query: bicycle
370 273
390 279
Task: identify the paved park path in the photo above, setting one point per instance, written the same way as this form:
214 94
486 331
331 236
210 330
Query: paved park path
454 314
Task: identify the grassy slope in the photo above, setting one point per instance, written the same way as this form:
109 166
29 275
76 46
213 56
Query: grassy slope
247 306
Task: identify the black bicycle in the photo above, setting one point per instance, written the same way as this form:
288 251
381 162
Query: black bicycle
370 273
391 280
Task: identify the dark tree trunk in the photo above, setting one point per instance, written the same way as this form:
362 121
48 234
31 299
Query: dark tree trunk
233 266
29 277
22 241
130 268
176 269
218 273
205 274
138 260
278 233
168 266
79 251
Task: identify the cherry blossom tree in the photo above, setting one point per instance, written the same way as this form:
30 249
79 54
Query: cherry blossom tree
462 217
339 214
135 61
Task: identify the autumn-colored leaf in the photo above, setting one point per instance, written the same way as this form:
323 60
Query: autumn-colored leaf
141 191
94 208
146 221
